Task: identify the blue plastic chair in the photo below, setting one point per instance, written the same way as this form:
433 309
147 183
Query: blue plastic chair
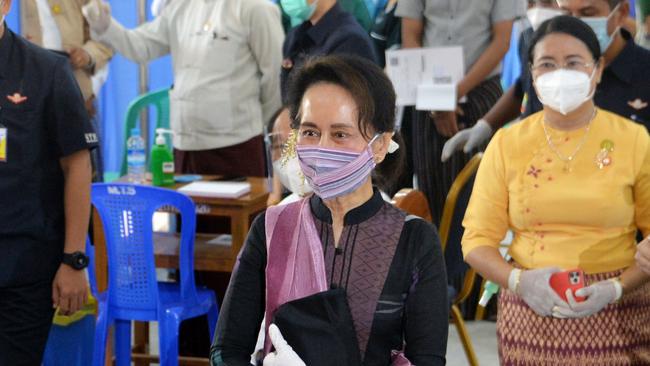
133 292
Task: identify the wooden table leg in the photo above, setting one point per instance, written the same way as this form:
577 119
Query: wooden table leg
239 226
141 342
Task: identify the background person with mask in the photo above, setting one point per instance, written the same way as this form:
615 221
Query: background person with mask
624 90
286 169
226 57
573 184
325 29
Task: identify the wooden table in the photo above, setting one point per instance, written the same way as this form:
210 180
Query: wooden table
208 257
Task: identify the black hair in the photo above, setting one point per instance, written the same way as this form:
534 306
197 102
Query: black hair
373 94
567 25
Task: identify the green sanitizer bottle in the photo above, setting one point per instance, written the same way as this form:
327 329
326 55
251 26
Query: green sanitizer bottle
162 161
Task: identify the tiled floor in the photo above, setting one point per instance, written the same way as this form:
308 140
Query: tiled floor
483 334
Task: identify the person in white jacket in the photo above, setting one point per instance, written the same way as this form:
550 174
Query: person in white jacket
226 56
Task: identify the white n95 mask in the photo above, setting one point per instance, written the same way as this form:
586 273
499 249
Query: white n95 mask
564 90
291 177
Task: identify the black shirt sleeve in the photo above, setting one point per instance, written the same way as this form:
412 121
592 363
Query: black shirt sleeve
242 310
427 306
68 120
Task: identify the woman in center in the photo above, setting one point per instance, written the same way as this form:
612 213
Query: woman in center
343 277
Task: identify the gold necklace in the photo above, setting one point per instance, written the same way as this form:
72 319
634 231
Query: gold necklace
568 159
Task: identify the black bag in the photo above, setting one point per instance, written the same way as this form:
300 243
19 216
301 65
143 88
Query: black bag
320 330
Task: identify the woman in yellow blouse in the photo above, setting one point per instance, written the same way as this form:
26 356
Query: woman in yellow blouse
573 184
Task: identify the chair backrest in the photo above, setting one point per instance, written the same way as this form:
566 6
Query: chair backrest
126 212
158 99
451 222
413 202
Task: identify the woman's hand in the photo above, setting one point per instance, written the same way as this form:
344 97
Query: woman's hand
536 291
284 354
598 295
643 255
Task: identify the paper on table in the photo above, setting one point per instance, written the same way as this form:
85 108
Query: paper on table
410 68
436 97
224 239
216 189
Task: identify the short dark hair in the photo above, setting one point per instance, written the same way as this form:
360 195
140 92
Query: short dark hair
567 25
373 94
372 91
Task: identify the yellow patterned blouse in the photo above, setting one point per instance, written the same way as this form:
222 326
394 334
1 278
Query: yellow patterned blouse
583 214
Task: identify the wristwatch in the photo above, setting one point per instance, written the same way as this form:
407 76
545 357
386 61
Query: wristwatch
76 260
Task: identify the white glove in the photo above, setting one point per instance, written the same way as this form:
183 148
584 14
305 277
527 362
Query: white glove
98 15
284 354
598 295
467 139
535 289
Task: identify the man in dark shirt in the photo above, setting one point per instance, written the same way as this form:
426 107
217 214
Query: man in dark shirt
329 30
624 88
45 137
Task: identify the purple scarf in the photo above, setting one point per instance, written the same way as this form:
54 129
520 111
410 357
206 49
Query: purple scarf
293 271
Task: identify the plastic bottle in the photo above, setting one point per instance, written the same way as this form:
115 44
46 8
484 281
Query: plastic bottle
491 288
162 161
135 158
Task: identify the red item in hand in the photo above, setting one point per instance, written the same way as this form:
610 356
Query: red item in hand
572 279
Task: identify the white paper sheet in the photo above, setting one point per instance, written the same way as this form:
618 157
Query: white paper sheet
216 189
410 68
436 97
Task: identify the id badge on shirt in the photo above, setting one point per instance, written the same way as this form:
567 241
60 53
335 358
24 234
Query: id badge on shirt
3 144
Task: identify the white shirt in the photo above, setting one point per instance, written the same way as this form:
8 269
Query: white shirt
49 28
226 57
157 6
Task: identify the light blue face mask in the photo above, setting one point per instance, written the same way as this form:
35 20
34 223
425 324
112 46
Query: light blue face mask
599 26
298 10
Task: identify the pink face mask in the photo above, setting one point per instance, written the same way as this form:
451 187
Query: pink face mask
332 173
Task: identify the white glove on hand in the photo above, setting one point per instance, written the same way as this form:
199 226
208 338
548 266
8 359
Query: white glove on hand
467 139
536 291
284 354
98 15
598 295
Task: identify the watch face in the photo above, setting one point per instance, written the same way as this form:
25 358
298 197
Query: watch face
81 261
76 260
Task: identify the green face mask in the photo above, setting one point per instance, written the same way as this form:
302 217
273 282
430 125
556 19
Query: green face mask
298 10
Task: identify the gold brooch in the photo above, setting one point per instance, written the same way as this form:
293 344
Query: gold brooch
603 157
